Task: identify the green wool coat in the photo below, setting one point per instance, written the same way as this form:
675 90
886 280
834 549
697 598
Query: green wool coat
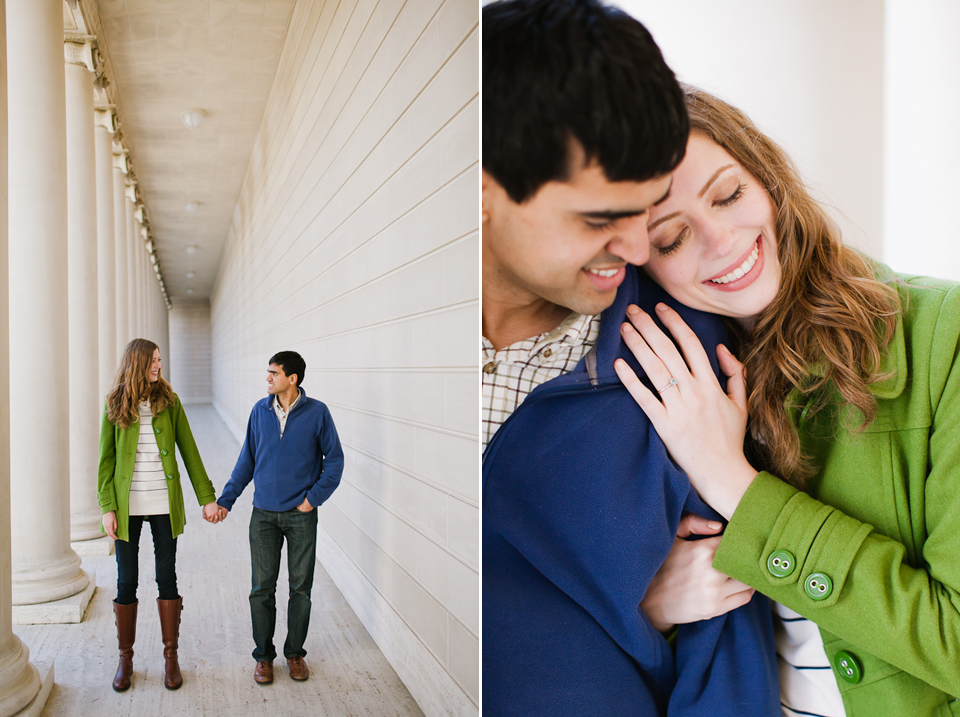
118 451
872 548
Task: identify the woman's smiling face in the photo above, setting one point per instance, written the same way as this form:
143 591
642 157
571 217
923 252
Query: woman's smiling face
713 243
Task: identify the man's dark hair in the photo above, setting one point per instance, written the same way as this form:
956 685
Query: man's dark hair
291 362
561 70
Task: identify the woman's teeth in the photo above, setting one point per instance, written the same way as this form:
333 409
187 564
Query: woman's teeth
740 270
606 273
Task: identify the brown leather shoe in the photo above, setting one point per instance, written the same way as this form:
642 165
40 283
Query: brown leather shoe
170 634
298 668
263 672
126 619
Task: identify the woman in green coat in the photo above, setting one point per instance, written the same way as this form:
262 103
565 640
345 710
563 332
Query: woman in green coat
851 381
139 481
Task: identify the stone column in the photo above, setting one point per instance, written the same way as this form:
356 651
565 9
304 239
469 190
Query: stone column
84 369
120 168
44 566
19 680
141 287
129 207
106 250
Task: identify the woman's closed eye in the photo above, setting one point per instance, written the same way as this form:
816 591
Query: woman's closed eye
737 193
675 244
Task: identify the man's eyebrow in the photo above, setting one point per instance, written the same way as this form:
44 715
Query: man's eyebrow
713 179
611 215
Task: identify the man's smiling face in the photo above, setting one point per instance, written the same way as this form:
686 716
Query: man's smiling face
570 243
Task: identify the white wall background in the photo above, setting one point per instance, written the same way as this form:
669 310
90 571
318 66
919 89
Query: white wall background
922 146
862 94
190 372
355 242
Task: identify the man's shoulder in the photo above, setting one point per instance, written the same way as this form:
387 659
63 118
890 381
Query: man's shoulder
313 405
261 404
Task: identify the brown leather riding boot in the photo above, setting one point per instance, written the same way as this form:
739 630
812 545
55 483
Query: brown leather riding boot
170 631
125 617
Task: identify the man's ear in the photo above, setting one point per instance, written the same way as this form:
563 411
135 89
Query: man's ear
489 187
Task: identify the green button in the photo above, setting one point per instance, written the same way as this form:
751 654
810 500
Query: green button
847 667
818 586
169 476
163 452
781 563
156 430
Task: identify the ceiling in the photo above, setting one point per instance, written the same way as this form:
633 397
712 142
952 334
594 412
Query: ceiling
162 57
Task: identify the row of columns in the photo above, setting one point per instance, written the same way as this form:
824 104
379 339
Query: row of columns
81 285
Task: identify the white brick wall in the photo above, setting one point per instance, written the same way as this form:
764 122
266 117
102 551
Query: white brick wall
189 363
355 241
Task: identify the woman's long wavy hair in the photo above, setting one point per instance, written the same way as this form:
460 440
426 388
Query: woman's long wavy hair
832 318
132 386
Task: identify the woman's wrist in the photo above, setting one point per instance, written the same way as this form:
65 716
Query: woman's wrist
727 492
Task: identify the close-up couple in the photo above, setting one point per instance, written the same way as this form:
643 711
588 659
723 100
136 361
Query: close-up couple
719 483
144 423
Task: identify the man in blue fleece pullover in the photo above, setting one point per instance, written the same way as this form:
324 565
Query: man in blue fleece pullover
293 455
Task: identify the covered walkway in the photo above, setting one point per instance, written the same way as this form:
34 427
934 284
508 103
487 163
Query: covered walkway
349 674
229 179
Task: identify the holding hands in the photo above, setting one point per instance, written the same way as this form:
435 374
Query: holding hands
213 513
701 426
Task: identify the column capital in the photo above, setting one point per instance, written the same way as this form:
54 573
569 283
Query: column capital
138 213
105 116
81 50
121 158
130 192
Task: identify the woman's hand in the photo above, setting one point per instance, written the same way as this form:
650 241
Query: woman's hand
702 427
687 588
211 512
109 522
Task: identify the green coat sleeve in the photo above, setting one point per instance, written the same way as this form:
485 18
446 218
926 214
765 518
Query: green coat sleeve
191 457
106 493
895 596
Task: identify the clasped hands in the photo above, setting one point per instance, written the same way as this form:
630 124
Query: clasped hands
214 513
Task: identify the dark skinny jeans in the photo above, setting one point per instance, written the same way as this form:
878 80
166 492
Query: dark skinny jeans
165 555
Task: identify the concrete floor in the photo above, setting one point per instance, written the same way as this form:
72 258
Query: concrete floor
348 674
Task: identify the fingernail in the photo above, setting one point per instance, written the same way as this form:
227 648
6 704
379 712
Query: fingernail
633 310
661 308
623 328
714 525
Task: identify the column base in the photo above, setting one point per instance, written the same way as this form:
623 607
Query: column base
85 526
103 545
49 582
35 708
67 610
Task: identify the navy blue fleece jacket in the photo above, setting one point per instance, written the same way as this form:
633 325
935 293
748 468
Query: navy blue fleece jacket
306 462
581 503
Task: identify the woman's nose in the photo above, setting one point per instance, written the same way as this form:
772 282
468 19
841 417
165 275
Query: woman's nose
720 238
